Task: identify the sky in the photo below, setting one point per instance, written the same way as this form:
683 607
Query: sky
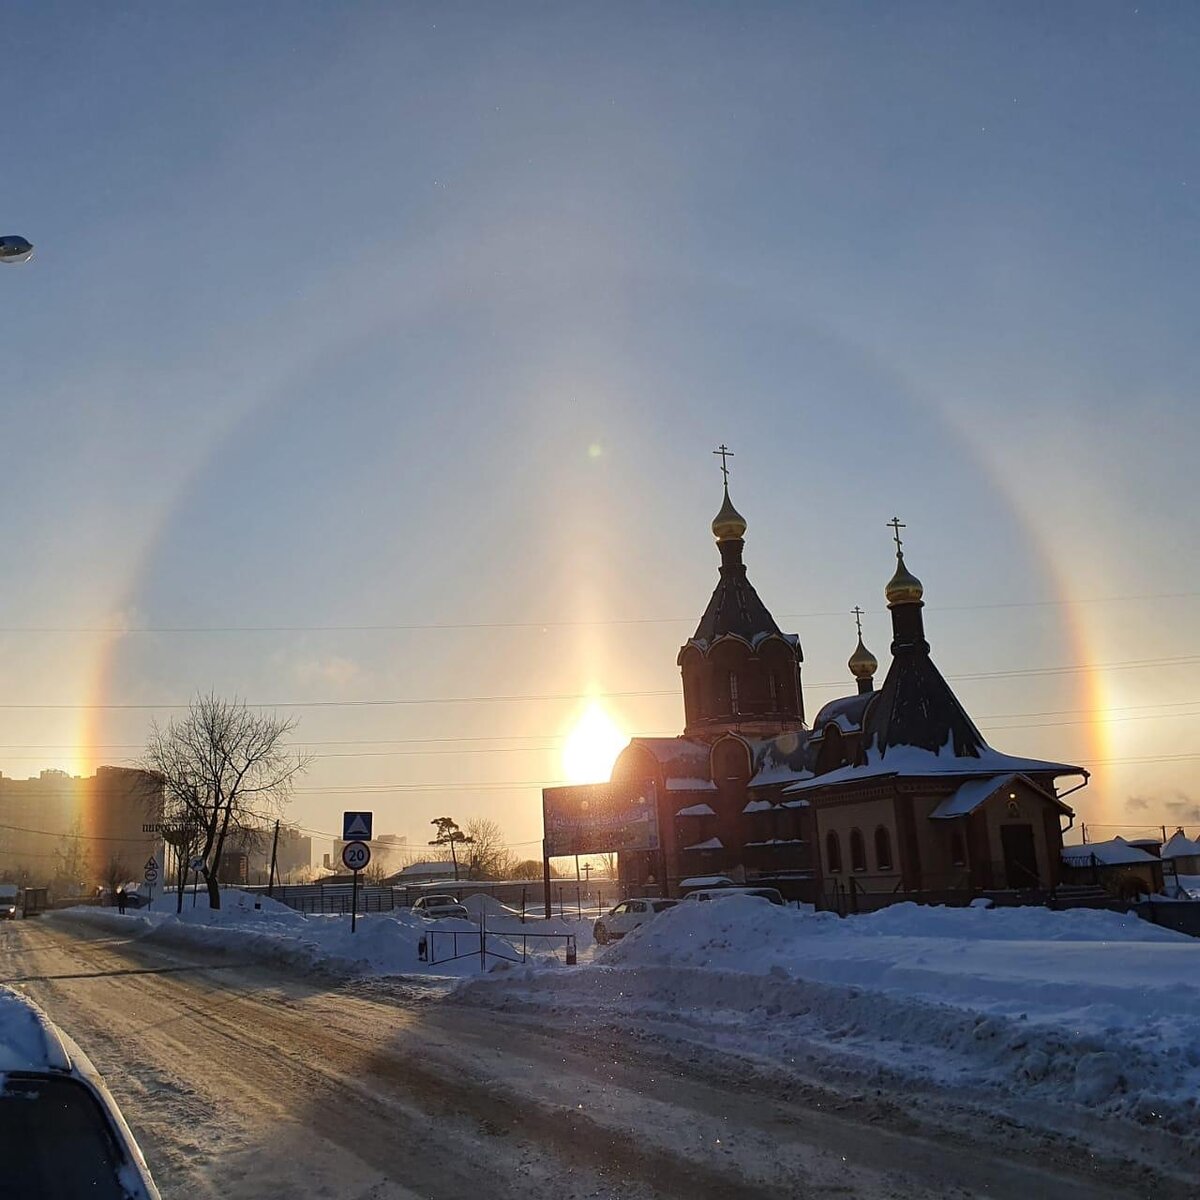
372 357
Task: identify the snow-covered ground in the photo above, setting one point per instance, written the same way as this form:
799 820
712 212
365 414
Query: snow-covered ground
1093 1009
1097 1009
263 930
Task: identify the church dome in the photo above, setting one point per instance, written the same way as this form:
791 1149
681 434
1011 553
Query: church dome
728 525
863 664
903 587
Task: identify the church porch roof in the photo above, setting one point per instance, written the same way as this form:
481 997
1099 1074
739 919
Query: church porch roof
910 762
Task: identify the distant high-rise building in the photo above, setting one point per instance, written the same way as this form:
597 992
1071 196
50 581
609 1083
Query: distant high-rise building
60 824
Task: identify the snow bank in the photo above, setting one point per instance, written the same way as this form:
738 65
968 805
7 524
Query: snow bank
480 903
264 931
1091 1007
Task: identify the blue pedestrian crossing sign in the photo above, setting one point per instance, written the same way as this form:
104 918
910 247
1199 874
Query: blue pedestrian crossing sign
356 826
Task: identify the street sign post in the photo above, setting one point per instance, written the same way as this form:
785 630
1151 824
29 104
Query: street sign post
197 867
151 877
356 856
356 826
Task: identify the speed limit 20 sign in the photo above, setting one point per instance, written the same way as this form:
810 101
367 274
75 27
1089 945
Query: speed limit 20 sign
356 855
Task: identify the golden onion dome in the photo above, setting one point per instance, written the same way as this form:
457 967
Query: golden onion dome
903 587
728 525
862 663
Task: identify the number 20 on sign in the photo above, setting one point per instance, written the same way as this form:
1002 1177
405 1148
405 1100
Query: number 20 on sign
356 855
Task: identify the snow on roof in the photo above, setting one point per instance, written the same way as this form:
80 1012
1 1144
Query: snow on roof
1115 853
971 795
777 842
690 785
758 806
776 773
846 713
909 761
28 1042
699 881
712 844
696 810
779 759
1179 845
426 870
677 756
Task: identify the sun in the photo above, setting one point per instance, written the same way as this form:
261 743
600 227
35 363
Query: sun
592 746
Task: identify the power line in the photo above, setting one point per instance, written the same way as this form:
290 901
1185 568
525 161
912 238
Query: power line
1026 672
420 627
983 722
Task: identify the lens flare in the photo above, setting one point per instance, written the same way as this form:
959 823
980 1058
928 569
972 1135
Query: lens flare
592 746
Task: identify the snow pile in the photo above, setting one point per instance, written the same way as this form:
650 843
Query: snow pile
262 930
1095 1007
1191 885
481 903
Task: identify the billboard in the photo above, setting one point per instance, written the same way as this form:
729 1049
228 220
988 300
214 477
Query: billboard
598 818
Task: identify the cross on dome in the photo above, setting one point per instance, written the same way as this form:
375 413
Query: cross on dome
903 587
725 453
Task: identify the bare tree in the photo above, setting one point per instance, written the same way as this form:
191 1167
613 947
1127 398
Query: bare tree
488 857
608 864
116 875
224 769
181 831
375 873
528 868
71 866
449 834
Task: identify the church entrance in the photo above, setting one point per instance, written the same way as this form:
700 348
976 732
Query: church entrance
1020 856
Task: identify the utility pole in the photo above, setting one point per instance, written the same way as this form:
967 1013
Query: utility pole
274 851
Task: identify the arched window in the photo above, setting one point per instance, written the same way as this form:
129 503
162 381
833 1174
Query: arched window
858 851
883 849
734 703
833 853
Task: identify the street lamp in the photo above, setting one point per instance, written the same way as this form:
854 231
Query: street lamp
14 249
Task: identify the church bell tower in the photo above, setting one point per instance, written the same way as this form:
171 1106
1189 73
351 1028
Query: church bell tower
740 672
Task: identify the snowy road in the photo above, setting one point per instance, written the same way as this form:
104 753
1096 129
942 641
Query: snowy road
249 1083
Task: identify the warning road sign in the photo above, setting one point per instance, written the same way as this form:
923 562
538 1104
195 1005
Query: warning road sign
356 826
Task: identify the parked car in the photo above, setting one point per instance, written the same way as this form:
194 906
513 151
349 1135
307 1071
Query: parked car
627 915
10 895
769 894
62 1136
435 908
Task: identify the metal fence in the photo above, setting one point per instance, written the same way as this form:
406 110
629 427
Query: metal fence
439 946
526 901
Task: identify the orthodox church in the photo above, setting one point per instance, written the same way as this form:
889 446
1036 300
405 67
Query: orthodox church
889 793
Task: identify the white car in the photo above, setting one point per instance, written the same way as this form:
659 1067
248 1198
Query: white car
627 915
61 1134
437 907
